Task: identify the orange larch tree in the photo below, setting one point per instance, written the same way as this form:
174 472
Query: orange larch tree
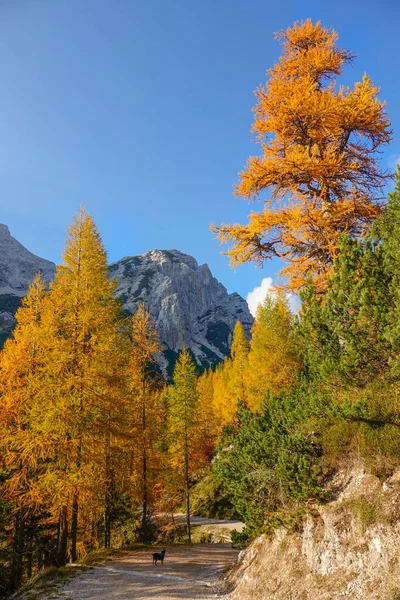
318 173
224 405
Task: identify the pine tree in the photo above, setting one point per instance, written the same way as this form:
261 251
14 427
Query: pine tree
266 463
318 160
343 333
387 229
351 335
183 404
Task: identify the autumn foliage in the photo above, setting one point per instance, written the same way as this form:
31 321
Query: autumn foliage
92 432
318 174
255 370
86 431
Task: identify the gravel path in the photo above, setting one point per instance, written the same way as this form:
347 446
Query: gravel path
199 521
189 572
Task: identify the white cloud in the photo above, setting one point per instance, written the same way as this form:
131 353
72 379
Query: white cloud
294 302
258 295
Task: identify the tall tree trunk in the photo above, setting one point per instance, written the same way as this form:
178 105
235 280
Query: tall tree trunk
144 463
29 561
144 495
93 534
107 525
107 510
16 569
61 557
187 493
74 527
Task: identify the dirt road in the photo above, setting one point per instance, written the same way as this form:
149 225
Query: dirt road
201 521
189 572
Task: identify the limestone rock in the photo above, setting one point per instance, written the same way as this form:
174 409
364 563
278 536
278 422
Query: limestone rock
18 268
348 548
190 307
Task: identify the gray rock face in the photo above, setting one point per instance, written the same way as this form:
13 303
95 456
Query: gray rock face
190 307
18 268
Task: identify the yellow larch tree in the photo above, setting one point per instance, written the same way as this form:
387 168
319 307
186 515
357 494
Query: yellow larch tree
19 363
207 429
239 354
111 466
318 173
227 384
145 386
183 415
74 406
224 404
274 360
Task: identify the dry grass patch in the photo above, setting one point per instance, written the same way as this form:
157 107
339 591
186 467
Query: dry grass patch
46 583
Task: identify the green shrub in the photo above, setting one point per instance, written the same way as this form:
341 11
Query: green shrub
241 538
269 460
367 511
210 499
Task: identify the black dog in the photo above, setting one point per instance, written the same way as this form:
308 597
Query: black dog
159 556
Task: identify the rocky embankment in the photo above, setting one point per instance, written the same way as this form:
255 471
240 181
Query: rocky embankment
349 548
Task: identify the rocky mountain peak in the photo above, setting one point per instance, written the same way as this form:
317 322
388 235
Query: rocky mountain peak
18 268
171 257
190 307
4 231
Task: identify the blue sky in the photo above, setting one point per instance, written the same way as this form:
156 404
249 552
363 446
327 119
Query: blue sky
141 110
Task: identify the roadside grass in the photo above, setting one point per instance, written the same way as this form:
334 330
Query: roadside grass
46 583
215 534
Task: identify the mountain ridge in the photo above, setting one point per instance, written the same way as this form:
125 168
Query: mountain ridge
189 306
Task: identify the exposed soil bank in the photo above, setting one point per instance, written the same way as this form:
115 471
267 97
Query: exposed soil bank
349 548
